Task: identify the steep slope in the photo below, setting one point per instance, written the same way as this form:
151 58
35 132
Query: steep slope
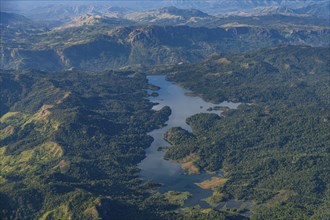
96 47
14 20
319 9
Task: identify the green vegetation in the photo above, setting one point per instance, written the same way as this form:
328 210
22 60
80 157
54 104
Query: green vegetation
104 45
280 73
274 150
199 213
70 141
215 199
176 198
70 144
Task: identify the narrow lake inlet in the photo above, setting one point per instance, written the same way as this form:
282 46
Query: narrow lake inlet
168 173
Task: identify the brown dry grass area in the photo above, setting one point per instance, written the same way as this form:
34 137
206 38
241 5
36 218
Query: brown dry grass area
212 183
187 163
190 166
65 96
224 61
245 66
64 166
53 148
286 66
43 112
92 212
8 130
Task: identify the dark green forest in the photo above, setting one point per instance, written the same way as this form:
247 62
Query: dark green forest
76 109
273 149
70 143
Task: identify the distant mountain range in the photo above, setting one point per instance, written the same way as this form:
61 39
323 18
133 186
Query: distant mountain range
91 37
317 9
12 19
59 12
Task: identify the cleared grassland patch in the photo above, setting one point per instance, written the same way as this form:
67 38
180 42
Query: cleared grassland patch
29 160
188 163
65 96
63 165
212 183
40 116
62 212
245 66
224 61
19 120
16 119
206 211
49 150
7 131
91 211
8 115
286 66
14 163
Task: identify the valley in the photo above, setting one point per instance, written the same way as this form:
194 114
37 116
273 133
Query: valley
163 110
154 166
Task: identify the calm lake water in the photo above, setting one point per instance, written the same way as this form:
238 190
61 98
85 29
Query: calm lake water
170 174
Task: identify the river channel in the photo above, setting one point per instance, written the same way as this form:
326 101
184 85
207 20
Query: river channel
168 173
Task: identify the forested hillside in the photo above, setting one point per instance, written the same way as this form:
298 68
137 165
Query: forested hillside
70 143
102 44
274 149
85 135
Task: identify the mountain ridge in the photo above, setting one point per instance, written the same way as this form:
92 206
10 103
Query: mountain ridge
150 45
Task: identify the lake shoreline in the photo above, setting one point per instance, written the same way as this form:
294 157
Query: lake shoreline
170 173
